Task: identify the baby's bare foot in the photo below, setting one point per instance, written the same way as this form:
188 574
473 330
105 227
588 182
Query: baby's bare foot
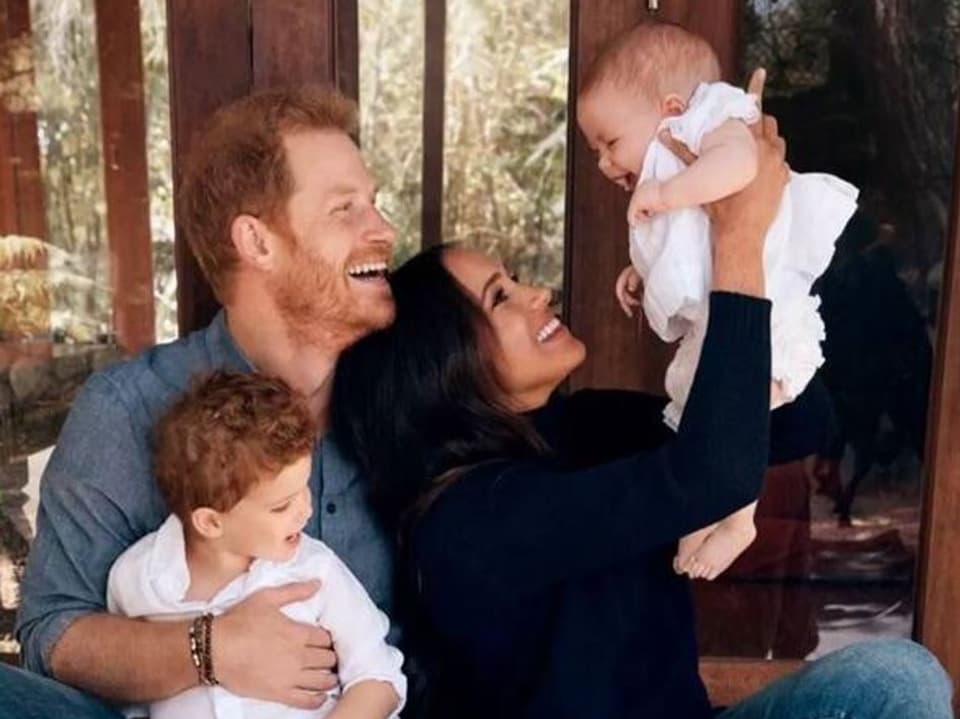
717 552
688 546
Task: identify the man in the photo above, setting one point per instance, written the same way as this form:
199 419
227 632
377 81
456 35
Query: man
280 211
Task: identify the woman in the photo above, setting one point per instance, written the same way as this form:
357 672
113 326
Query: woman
538 532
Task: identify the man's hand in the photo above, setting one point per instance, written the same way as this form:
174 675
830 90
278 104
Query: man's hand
647 201
626 289
259 652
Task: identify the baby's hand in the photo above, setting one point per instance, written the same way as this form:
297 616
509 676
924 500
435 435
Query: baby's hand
628 284
647 201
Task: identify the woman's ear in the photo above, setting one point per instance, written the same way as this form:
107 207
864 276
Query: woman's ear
252 240
206 522
673 105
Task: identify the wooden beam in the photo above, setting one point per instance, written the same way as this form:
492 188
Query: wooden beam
210 65
346 58
126 184
939 570
731 680
434 82
22 206
21 182
293 42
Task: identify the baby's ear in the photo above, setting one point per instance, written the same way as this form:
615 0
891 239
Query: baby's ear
673 105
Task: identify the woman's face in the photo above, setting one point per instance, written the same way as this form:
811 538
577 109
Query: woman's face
534 352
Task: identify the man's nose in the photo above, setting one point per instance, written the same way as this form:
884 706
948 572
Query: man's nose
381 230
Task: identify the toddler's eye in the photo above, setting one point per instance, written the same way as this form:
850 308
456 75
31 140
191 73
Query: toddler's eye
281 509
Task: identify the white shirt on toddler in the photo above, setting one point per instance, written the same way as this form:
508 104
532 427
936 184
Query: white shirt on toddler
672 254
150 579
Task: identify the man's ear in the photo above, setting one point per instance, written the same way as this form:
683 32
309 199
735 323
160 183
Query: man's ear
206 522
252 240
673 105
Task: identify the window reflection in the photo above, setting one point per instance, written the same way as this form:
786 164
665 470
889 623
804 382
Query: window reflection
56 298
505 135
869 96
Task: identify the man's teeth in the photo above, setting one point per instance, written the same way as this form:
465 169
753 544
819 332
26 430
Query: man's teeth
368 269
548 329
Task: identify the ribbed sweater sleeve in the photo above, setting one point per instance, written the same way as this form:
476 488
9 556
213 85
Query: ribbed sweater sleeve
520 526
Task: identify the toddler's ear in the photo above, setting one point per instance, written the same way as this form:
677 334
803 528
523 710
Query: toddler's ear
673 105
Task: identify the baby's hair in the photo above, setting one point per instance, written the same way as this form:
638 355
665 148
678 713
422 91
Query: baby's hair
656 59
228 432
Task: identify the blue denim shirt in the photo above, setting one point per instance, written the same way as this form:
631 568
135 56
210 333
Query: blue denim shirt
98 495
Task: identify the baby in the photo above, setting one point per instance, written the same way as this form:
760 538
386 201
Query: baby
233 460
659 77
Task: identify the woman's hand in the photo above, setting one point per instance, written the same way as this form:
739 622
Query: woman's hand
740 221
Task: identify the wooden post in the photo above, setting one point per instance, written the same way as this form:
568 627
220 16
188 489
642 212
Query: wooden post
210 65
126 185
21 182
23 203
939 570
434 84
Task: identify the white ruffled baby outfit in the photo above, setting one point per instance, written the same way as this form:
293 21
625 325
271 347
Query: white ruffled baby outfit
671 252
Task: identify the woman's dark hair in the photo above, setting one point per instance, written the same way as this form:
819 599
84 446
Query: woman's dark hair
417 403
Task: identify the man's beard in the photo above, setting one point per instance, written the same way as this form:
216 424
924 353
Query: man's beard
317 307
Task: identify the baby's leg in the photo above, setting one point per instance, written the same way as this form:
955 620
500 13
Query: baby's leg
778 395
729 538
688 546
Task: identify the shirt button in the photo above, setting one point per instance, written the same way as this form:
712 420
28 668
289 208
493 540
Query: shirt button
331 508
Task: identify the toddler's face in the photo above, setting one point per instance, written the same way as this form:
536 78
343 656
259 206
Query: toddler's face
619 126
267 522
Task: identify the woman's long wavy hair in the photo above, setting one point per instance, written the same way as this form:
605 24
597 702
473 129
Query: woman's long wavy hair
419 402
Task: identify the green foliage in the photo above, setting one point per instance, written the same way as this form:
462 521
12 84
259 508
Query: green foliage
505 125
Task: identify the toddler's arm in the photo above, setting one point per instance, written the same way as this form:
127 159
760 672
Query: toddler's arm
727 163
365 661
368 699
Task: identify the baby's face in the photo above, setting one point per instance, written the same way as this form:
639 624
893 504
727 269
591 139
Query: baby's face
619 127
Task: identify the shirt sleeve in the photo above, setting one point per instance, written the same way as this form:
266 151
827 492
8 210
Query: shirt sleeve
359 631
519 527
82 524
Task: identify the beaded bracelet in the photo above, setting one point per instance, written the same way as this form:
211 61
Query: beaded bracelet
201 649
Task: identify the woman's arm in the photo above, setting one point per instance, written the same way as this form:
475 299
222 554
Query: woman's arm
519 527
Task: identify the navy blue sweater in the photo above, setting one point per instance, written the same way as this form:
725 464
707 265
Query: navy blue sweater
544 587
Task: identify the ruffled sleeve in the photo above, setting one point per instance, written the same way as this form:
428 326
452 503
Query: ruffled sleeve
711 105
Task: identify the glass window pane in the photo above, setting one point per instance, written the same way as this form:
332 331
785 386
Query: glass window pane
872 99
391 111
506 132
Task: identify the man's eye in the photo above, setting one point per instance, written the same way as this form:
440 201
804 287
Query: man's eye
281 509
344 207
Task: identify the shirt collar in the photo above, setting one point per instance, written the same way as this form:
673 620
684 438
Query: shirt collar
223 350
